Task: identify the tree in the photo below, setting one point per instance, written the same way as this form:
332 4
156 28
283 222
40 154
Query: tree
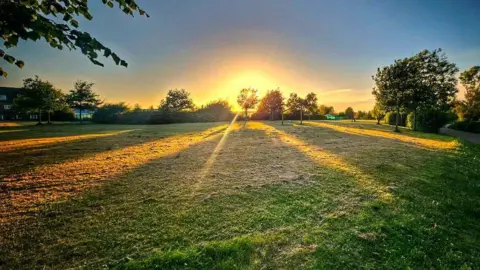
296 104
434 82
271 103
324 110
110 112
470 79
177 101
221 110
350 114
311 103
378 112
393 85
247 99
82 97
38 96
33 20
137 107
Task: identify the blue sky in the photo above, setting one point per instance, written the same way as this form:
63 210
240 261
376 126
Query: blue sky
213 48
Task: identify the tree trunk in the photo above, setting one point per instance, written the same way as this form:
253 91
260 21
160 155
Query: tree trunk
378 120
80 115
397 117
40 117
48 118
271 116
246 115
282 118
301 117
415 119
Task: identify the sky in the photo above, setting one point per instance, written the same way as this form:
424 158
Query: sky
214 48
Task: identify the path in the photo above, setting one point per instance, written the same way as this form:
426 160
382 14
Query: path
471 137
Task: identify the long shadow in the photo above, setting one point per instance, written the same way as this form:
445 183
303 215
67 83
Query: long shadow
425 140
29 158
435 203
257 184
27 191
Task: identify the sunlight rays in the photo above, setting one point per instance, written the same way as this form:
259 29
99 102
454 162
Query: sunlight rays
8 146
211 160
28 191
427 143
328 159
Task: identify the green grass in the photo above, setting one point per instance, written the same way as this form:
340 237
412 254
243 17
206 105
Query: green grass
323 195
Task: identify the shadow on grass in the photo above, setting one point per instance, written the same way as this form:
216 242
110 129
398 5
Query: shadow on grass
246 195
26 191
430 223
266 203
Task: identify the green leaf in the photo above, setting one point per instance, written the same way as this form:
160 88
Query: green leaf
3 73
107 52
1 53
20 63
110 4
123 63
9 58
116 58
74 23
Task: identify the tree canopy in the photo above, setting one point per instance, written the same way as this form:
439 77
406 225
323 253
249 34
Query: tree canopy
177 100
247 99
82 97
39 95
470 79
311 103
271 103
56 21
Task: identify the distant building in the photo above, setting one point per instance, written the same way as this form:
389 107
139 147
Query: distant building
7 112
334 117
86 114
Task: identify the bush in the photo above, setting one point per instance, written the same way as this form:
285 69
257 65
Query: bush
428 120
469 126
67 114
391 118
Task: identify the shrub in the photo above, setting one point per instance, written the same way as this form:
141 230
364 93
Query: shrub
391 118
67 114
428 120
469 126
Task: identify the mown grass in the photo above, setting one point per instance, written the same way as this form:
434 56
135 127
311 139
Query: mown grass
323 195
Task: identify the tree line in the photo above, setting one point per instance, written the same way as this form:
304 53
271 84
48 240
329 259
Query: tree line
421 92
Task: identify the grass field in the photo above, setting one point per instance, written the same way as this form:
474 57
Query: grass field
322 195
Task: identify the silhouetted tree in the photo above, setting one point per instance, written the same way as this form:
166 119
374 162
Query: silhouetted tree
32 20
470 79
271 103
82 97
39 96
177 101
247 99
137 108
110 112
311 104
221 110
296 104
324 110
350 114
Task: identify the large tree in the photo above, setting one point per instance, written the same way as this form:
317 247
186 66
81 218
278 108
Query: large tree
378 112
82 97
470 79
39 96
221 110
350 114
394 84
176 101
247 99
311 104
272 103
296 105
434 85
324 110
56 21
